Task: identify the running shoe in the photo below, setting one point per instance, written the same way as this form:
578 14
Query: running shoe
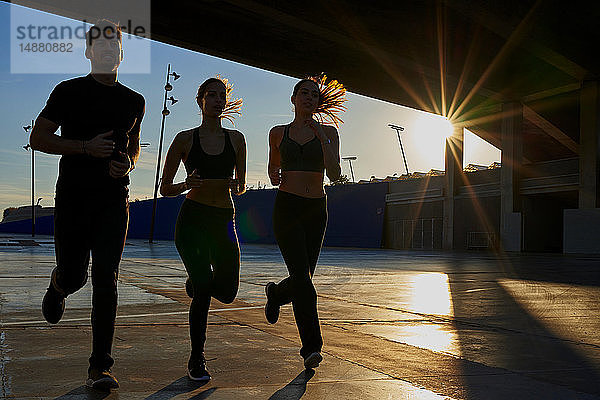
313 360
271 309
53 305
197 370
101 380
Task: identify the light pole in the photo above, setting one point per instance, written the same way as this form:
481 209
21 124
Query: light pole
165 112
399 129
27 147
350 159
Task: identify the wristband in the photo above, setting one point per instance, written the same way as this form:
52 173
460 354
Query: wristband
83 147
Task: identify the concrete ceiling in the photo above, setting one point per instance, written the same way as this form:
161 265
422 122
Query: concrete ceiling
457 58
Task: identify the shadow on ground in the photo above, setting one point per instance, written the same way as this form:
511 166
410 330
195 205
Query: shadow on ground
296 388
83 393
521 343
181 386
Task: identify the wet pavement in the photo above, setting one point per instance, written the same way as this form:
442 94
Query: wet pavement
396 325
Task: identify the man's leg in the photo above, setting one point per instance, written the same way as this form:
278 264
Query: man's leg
72 250
110 229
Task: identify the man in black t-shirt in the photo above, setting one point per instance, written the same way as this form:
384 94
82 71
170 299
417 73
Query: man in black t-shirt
99 119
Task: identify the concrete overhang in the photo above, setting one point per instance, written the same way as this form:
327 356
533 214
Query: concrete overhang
458 58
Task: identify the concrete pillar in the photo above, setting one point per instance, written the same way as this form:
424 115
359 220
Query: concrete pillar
511 224
589 145
453 161
581 233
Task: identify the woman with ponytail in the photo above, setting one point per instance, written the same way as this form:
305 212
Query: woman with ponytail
300 154
205 234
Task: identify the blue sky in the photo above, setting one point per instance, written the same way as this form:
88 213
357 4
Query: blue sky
266 103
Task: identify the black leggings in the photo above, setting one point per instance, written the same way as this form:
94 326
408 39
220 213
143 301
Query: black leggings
299 226
207 243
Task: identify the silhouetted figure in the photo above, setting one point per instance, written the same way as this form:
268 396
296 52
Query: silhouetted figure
299 154
100 122
205 234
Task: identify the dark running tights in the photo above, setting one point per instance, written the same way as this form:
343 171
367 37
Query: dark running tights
207 243
299 225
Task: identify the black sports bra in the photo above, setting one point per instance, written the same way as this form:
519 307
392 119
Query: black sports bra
300 157
211 166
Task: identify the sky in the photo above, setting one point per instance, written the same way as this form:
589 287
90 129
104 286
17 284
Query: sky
266 97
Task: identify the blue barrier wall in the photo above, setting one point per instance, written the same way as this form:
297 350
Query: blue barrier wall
254 216
140 218
356 215
43 226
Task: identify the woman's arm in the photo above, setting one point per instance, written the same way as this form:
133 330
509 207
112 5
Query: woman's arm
240 164
175 155
274 168
330 142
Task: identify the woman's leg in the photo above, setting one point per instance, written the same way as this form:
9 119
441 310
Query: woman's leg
315 222
314 225
224 256
288 215
290 237
191 240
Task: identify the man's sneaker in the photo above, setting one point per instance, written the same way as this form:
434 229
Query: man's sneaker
53 305
313 360
271 309
189 288
101 380
197 370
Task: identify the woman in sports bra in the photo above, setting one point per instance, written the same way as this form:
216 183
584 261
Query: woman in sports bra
205 234
300 154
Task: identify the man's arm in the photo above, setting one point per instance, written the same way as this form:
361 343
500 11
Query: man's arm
122 167
43 138
133 147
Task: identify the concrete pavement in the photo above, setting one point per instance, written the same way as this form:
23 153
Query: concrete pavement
396 325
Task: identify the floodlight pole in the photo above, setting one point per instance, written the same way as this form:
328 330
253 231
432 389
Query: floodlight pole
27 147
350 159
398 129
165 112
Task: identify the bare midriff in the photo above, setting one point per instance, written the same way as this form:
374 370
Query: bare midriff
302 183
212 192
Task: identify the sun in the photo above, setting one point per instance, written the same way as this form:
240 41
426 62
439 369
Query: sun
434 126
428 134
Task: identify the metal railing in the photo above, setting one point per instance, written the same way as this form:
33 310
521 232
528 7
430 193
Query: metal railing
418 234
480 240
